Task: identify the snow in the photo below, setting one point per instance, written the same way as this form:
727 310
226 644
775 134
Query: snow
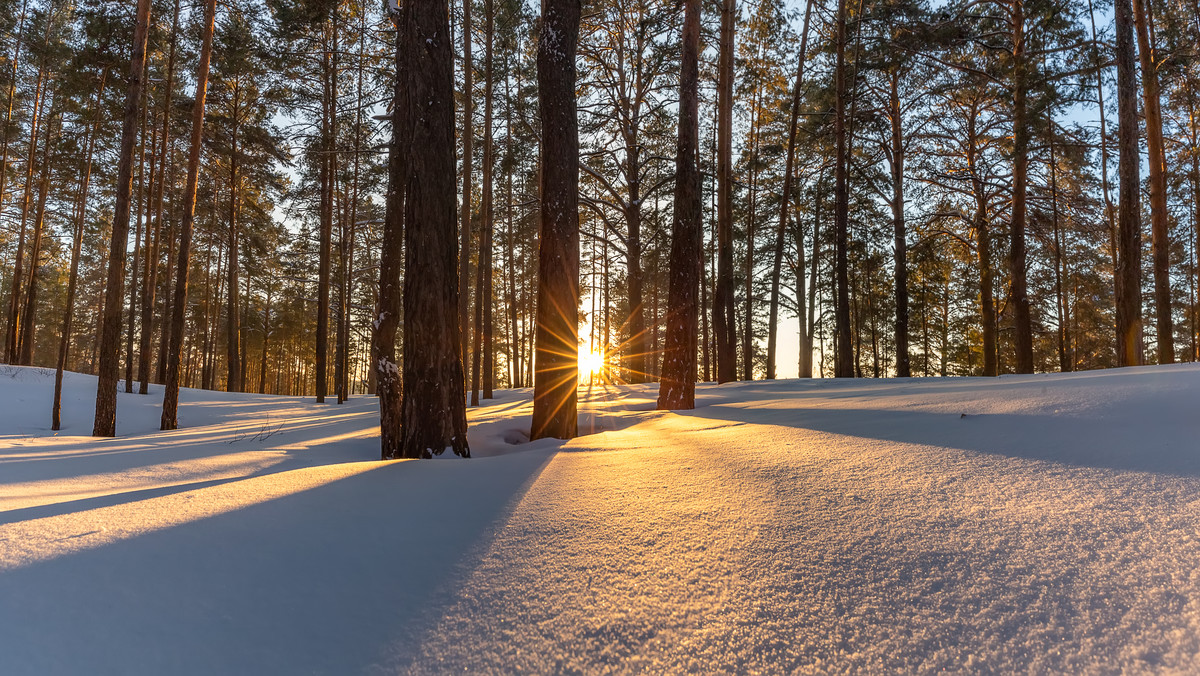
1032 523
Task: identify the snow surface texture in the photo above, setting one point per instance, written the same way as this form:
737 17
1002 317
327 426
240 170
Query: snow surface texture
1023 524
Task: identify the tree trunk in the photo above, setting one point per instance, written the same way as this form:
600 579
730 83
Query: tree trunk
468 140
64 341
12 339
233 379
900 236
151 272
477 347
105 424
1129 264
1157 162
1109 211
514 346
391 260
556 361
844 366
751 223
488 208
1022 323
262 369
138 212
432 409
705 345
724 324
10 333
806 344
164 334
328 179
29 320
677 389
170 410
785 204
1064 361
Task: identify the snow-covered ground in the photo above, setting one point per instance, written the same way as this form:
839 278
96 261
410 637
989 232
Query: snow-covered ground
1044 523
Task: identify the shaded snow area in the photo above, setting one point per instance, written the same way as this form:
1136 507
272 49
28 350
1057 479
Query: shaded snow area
1037 524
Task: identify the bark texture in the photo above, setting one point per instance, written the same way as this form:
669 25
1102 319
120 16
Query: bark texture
1129 236
556 353
105 423
433 415
1157 163
724 324
677 387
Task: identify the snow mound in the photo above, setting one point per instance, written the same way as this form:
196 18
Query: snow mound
1041 523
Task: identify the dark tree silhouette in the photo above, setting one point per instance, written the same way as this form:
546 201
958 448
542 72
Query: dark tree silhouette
1129 264
677 389
433 415
556 358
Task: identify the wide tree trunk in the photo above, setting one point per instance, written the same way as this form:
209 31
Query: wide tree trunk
1022 323
724 322
170 410
433 416
1129 234
1157 163
677 388
105 423
556 360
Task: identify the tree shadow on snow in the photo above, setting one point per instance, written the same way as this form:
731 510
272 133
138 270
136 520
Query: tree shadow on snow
333 579
1112 444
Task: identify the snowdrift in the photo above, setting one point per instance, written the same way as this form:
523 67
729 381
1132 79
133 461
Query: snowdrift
1034 523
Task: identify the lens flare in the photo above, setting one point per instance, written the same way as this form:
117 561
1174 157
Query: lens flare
590 362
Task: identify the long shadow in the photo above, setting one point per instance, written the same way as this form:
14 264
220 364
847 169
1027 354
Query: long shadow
75 457
1112 443
1157 377
329 580
109 500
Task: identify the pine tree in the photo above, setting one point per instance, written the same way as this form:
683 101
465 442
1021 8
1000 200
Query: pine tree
105 424
1129 265
677 389
170 408
556 367
432 408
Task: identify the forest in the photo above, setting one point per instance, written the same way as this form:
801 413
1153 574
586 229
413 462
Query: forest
282 197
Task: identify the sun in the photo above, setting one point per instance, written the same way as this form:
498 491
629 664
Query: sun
589 361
